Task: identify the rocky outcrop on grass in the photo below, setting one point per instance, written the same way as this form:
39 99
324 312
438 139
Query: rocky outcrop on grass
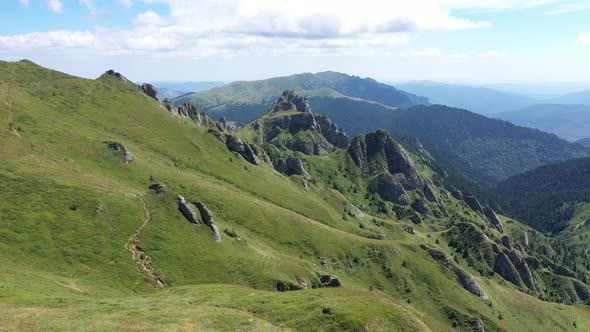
222 124
190 111
187 210
150 90
207 217
116 75
523 270
506 242
472 202
389 188
119 147
330 280
290 100
237 145
158 188
291 166
493 219
466 280
504 267
284 286
409 229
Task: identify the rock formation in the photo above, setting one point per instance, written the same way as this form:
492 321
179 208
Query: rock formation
291 166
506 242
409 229
261 154
150 90
523 270
504 267
159 188
330 280
301 131
190 111
493 219
115 146
472 202
466 280
420 206
389 188
236 144
207 217
283 286
187 210
222 123
290 100
116 75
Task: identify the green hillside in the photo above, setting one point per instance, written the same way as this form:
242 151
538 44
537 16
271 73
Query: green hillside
85 244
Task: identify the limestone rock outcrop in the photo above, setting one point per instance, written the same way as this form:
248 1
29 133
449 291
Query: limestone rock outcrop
119 147
504 267
290 100
117 75
236 144
493 219
466 280
292 166
189 110
150 90
222 123
330 280
389 188
207 217
187 210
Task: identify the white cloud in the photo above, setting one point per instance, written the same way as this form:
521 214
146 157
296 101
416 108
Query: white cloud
47 40
429 52
584 38
55 5
210 27
492 54
150 18
24 2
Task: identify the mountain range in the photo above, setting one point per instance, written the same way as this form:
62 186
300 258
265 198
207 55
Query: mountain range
119 211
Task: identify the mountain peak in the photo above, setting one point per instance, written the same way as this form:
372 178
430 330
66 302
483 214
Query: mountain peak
290 100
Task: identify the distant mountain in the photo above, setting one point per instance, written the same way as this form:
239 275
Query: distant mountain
244 101
165 93
571 122
188 86
550 196
574 98
584 141
477 99
485 150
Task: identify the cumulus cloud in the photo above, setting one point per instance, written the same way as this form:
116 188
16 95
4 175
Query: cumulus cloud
150 18
212 27
56 6
584 38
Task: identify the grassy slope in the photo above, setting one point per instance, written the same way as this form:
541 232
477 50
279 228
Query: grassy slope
57 263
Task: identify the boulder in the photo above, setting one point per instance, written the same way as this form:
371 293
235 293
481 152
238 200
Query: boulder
416 219
187 210
296 166
409 229
472 202
493 219
506 242
150 90
429 193
235 144
389 188
504 267
207 217
116 75
159 188
457 194
330 280
119 147
476 324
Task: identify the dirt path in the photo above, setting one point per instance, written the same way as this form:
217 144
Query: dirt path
139 256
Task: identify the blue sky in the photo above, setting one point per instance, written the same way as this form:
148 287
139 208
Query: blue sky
447 40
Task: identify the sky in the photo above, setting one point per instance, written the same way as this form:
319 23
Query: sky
478 41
